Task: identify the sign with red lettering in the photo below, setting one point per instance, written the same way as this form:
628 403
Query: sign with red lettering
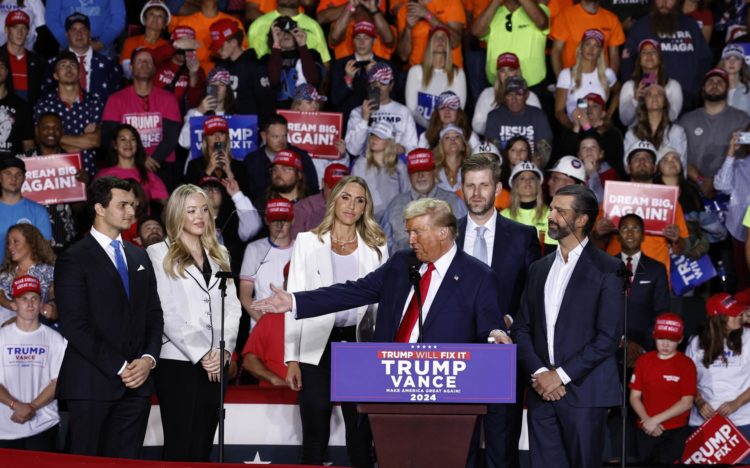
149 126
314 132
52 179
656 204
716 442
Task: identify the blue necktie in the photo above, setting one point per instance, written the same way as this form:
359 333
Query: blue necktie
122 267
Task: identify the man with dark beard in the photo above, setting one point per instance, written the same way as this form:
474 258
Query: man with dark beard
681 42
287 180
508 248
567 332
709 130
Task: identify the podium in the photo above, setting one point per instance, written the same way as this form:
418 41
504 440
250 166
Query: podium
416 435
423 399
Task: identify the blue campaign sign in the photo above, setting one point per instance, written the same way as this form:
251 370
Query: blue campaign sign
243 134
423 372
687 273
425 104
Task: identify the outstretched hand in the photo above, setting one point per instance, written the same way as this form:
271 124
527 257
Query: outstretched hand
278 303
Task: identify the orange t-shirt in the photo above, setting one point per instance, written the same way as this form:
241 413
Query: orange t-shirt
476 7
446 11
136 42
346 46
264 5
556 6
656 247
502 201
572 22
201 25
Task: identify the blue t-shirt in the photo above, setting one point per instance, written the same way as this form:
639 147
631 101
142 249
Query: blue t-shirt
25 211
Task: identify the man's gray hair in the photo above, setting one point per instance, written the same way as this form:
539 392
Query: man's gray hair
439 211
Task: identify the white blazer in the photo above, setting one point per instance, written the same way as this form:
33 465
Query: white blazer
192 311
311 268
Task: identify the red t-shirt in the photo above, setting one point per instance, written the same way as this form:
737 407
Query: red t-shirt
663 382
267 344
18 68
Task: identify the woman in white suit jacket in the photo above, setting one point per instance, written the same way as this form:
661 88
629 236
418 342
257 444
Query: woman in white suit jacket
187 380
347 245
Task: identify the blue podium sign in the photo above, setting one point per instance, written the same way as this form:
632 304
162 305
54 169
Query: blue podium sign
423 372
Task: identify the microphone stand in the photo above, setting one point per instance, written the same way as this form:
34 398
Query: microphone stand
223 276
624 403
414 278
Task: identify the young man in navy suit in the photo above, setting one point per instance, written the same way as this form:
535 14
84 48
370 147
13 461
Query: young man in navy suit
508 248
456 305
111 315
568 331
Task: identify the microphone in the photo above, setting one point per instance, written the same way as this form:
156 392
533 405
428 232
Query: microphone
413 265
226 275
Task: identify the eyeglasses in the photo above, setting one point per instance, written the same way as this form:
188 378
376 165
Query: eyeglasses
508 23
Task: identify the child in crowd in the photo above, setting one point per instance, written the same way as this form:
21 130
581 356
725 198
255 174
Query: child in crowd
661 394
31 357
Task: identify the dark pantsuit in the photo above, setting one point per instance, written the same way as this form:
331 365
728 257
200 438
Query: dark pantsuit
109 428
189 405
315 410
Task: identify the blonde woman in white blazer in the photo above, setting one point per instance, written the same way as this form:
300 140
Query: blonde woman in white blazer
347 245
187 381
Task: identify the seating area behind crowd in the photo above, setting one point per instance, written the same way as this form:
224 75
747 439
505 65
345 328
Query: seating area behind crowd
548 93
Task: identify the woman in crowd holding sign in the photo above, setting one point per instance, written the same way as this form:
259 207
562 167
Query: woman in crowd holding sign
722 358
348 244
127 160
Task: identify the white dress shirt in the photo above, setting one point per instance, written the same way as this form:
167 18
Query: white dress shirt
489 235
86 64
441 268
554 292
106 243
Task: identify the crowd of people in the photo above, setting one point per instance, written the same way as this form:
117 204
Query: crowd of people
491 127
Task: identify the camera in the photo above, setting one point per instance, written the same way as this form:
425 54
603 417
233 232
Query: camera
286 24
582 103
744 138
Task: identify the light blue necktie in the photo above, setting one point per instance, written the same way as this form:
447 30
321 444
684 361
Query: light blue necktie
122 267
480 245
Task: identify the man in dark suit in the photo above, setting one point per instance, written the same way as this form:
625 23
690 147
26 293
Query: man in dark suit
99 74
111 315
457 305
509 248
649 288
568 330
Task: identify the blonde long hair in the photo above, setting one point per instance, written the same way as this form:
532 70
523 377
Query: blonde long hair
390 155
427 69
576 72
367 228
178 256
515 201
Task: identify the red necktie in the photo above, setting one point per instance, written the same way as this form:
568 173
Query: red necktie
412 312
629 266
82 72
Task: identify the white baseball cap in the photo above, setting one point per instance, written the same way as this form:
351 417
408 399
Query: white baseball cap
640 145
571 167
488 148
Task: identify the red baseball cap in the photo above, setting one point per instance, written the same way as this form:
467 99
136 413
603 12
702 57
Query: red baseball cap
652 42
364 27
215 124
17 17
597 98
221 31
288 158
279 209
24 284
440 27
724 304
334 173
209 180
668 326
595 34
419 160
183 31
717 72
508 59
743 297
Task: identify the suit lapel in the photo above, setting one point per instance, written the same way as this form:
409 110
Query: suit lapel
501 240
105 264
539 294
448 288
577 282
462 223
